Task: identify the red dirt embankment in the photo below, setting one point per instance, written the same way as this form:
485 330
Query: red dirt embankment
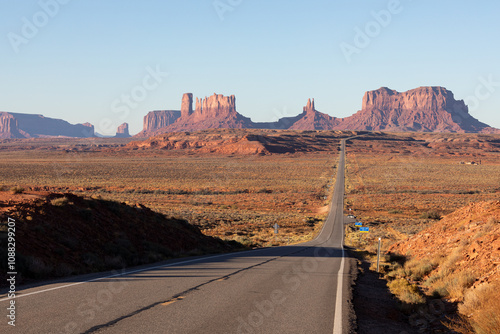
473 232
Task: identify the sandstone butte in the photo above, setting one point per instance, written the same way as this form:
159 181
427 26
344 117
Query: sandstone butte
424 109
122 131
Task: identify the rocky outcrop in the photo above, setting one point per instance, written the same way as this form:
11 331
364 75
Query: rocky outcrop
428 109
122 131
16 125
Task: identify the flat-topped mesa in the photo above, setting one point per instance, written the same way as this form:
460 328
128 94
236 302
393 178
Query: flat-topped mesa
187 104
310 106
422 98
215 106
19 125
427 109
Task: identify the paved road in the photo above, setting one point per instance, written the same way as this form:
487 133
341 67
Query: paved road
292 289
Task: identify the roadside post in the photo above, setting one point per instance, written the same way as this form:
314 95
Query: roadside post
378 254
276 228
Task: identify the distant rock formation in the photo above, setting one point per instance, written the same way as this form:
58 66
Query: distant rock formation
213 112
428 109
17 125
9 128
158 119
311 119
187 105
122 131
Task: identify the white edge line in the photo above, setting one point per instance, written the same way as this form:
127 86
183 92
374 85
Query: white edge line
115 275
337 321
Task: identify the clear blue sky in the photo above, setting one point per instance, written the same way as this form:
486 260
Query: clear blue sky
85 55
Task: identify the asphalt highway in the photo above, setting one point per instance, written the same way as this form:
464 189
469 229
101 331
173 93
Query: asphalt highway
301 288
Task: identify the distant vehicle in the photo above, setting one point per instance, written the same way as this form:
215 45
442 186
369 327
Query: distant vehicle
351 216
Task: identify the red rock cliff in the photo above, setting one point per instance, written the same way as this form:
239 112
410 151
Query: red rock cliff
8 127
216 105
158 119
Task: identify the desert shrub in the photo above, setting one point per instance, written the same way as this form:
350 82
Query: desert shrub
3 188
479 310
17 190
406 292
61 201
420 270
394 211
449 263
454 285
431 215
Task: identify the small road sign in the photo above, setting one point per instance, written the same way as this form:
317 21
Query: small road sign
364 229
358 224
276 227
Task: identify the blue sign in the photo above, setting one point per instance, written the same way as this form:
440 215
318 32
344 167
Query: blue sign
358 223
364 229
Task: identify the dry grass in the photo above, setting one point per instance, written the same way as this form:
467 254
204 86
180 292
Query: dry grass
406 292
480 310
17 190
62 201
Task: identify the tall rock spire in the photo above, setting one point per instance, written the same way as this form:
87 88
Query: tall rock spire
187 104
310 106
